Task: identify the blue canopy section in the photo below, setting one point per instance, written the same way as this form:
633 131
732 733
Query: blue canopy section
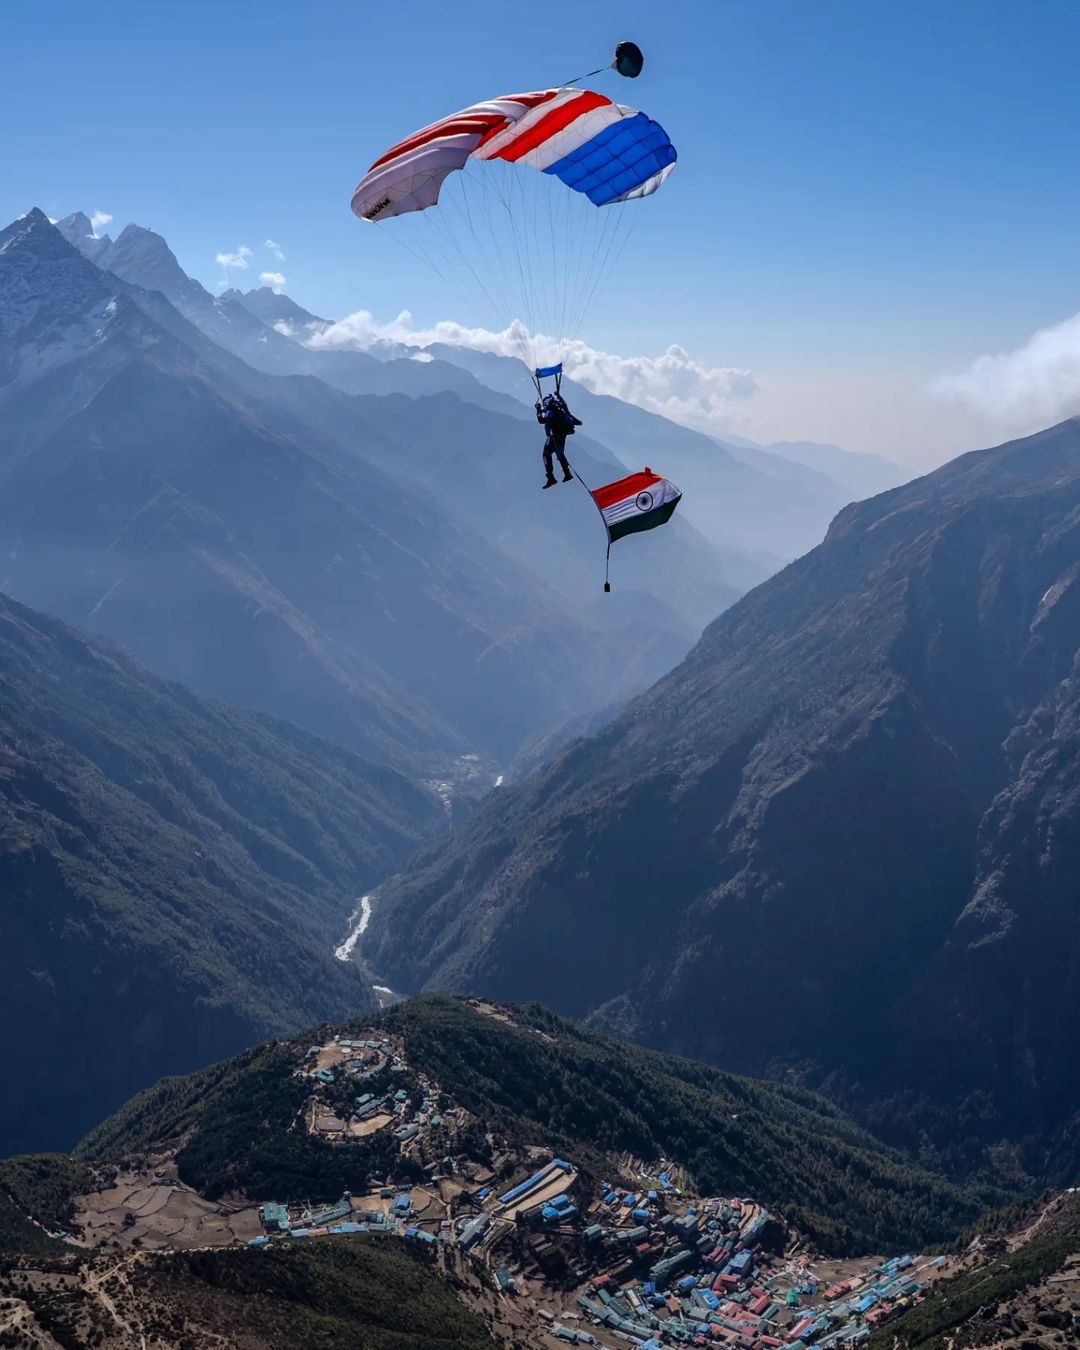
544 371
621 158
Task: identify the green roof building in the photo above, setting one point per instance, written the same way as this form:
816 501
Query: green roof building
274 1216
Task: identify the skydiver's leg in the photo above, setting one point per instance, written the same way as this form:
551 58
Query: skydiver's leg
548 448
560 450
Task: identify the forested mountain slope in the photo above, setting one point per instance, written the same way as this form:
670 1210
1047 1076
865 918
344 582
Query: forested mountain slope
174 875
535 1078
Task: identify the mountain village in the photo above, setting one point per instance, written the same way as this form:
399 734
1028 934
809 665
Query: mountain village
634 1257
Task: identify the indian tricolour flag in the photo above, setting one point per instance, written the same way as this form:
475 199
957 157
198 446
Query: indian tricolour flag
640 502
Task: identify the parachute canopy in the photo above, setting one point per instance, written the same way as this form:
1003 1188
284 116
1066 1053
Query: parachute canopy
596 147
527 252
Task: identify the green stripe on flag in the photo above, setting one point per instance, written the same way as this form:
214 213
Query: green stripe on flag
648 520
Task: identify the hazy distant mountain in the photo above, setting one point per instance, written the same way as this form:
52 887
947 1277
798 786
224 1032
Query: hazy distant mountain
142 258
174 875
841 838
151 494
273 307
77 229
862 475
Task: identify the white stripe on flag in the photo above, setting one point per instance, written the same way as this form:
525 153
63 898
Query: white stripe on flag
659 494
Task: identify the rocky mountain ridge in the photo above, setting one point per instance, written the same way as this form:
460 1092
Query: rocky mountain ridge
834 842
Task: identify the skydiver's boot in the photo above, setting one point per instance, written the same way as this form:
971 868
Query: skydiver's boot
550 480
567 476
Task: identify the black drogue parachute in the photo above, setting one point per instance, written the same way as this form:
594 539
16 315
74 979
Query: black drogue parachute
502 200
628 60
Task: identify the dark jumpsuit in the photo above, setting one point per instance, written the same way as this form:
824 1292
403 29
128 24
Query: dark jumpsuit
552 415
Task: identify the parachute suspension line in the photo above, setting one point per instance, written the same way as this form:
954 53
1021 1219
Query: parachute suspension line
531 259
497 254
554 331
442 225
540 291
537 264
524 238
436 230
567 251
500 252
574 244
613 253
418 251
583 290
528 318
502 217
459 201
610 223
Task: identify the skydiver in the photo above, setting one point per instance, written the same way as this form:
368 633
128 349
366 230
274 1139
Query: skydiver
559 422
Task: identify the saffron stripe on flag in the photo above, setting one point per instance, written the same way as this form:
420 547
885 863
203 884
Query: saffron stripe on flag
630 486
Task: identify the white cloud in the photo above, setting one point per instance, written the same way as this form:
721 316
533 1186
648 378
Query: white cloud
98 221
275 249
275 280
674 384
284 328
238 260
1025 389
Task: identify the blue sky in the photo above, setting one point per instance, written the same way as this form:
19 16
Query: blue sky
868 194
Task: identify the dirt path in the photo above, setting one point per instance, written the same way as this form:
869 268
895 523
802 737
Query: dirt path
93 1284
